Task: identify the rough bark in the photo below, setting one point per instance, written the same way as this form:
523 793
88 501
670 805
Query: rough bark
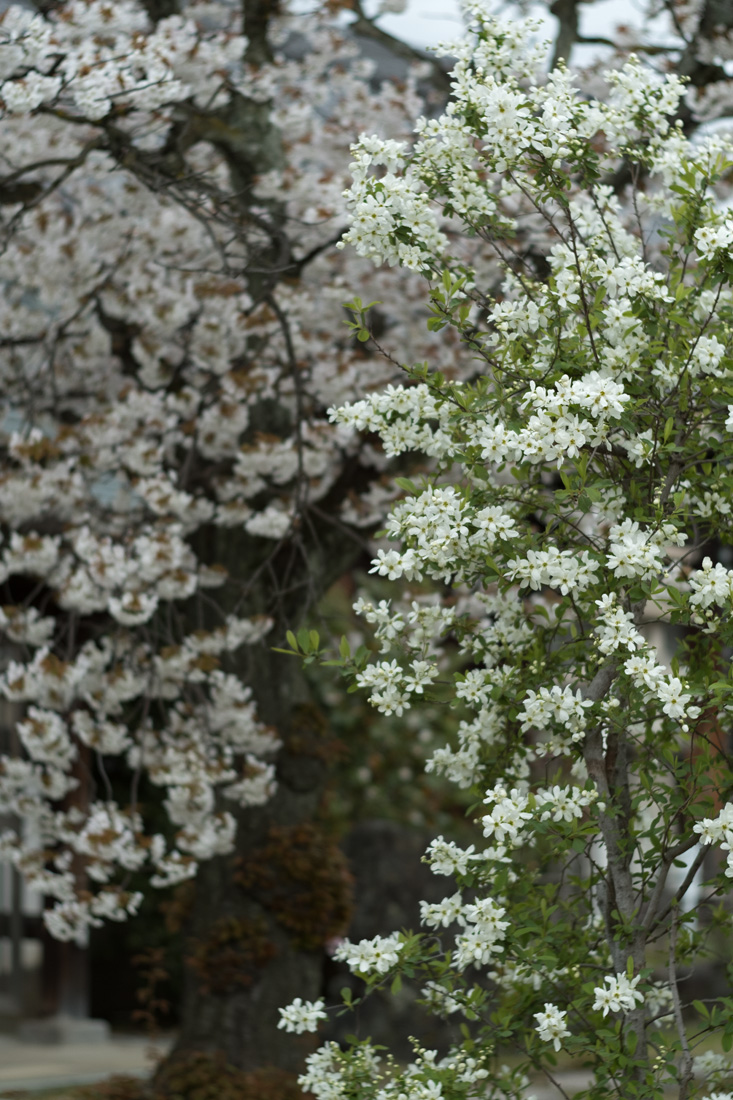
237 1013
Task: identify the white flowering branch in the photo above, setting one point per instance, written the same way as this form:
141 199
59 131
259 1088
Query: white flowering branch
582 477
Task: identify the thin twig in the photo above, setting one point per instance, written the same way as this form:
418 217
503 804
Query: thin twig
686 1061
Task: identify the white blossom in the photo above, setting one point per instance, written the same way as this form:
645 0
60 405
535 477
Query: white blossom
300 1016
377 955
618 995
551 1025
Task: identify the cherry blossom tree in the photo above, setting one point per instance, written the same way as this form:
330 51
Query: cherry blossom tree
582 485
172 493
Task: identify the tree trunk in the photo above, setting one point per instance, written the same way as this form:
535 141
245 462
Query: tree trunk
259 919
256 936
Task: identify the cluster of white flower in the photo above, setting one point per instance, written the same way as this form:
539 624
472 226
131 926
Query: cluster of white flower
333 1074
616 627
110 61
713 1066
395 563
420 624
462 765
447 858
93 688
659 1000
483 927
437 524
628 277
108 837
718 830
323 1073
272 523
712 238
567 570
26 625
301 1016
637 553
621 994
556 704
403 417
544 438
386 681
641 447
675 701
554 432
388 622
706 356
552 1025
639 94
711 584
644 669
330 1075
46 739
441 913
492 524
564 803
392 219
506 822
483 936
72 919
377 955
599 394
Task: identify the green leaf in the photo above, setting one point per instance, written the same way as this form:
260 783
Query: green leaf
396 984
356 305
361 656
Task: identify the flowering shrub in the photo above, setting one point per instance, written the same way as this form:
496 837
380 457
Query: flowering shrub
583 483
